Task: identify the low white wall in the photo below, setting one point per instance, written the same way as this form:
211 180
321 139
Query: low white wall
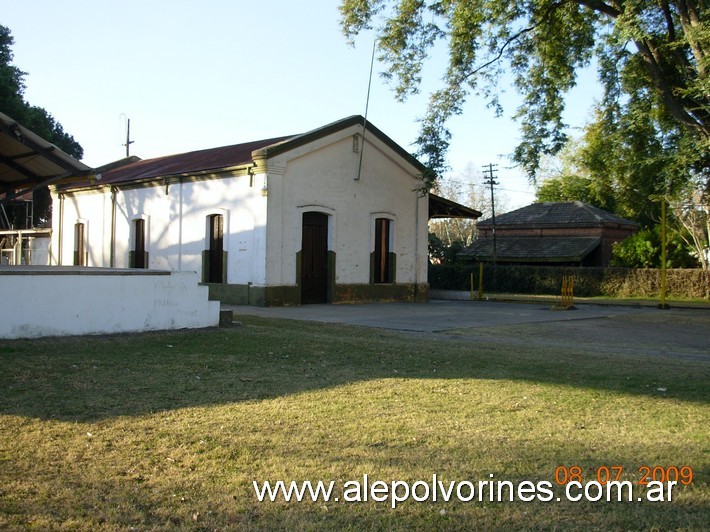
62 301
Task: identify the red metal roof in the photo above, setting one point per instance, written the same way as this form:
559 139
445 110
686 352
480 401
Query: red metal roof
185 163
216 159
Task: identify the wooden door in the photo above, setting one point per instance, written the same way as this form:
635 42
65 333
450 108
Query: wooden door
314 258
216 242
139 248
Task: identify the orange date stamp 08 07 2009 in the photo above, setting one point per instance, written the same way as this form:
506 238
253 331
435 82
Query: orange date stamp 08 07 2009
605 474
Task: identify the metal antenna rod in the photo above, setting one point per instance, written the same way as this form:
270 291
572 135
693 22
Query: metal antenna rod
128 137
367 106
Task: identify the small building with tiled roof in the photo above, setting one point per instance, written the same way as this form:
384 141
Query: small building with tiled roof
565 233
331 215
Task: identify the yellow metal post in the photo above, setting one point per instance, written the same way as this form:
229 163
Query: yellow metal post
567 292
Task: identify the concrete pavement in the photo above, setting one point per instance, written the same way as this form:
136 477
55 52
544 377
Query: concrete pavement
437 315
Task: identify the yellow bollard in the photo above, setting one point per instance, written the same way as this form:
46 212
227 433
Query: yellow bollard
567 296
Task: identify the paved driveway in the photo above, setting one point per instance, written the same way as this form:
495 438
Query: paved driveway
437 315
645 331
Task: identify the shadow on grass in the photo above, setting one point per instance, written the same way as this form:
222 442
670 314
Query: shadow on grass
94 378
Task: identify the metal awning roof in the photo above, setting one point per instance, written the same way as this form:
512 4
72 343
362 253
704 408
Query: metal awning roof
443 208
28 161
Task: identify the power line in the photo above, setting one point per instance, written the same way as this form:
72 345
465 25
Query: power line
517 191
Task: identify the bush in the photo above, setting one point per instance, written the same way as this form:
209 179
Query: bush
589 282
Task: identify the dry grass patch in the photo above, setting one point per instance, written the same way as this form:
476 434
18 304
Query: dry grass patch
168 430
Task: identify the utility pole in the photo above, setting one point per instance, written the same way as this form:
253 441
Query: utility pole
491 169
128 137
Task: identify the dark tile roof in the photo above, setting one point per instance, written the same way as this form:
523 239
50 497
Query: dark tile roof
563 214
532 249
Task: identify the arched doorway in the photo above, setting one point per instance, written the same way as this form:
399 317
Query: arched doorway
314 258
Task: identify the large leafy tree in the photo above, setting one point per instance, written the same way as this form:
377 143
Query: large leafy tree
37 119
661 47
630 159
13 104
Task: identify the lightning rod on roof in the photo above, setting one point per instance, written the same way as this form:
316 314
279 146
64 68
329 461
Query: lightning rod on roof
367 106
128 137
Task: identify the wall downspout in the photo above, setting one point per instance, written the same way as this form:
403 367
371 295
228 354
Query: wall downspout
112 251
180 227
416 247
61 229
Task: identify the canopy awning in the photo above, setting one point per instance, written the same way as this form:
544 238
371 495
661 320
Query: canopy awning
443 208
28 161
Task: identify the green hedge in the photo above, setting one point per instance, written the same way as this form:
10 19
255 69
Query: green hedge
589 282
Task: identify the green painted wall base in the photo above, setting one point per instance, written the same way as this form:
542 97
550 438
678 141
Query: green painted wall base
278 296
357 293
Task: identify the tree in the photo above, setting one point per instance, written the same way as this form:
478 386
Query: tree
37 119
643 250
691 213
11 78
627 162
566 187
13 104
663 44
566 178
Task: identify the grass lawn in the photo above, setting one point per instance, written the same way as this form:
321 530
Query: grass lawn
168 430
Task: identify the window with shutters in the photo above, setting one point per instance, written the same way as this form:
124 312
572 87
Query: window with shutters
382 256
79 244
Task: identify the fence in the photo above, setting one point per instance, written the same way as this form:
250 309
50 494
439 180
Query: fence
25 247
589 282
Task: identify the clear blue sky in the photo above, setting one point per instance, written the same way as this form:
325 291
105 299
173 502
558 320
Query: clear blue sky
195 75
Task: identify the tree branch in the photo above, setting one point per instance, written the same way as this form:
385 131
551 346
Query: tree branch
689 20
514 38
663 4
681 112
600 7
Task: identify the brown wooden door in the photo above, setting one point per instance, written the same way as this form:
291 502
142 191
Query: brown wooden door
314 258
139 250
216 241
382 251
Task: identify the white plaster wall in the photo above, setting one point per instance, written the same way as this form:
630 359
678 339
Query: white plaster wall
323 177
318 176
92 302
244 211
176 225
94 209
